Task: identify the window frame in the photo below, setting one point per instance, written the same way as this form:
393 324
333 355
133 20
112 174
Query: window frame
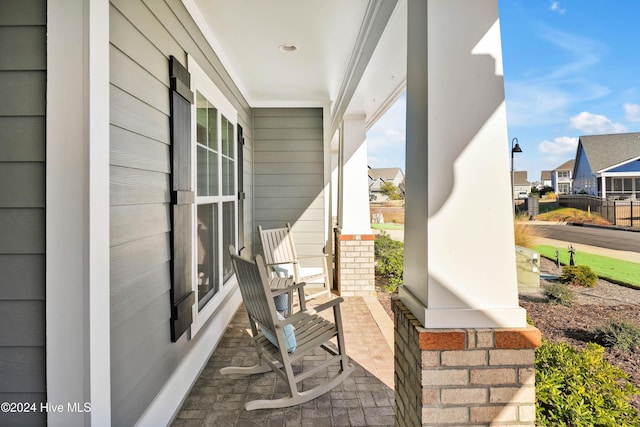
202 83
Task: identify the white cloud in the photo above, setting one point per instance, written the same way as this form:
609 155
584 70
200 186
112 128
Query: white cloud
559 146
394 135
590 123
632 112
547 92
555 6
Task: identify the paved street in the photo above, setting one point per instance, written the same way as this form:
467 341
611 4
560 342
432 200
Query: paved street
601 237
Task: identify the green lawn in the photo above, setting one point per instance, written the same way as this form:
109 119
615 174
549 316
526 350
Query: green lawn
388 226
614 270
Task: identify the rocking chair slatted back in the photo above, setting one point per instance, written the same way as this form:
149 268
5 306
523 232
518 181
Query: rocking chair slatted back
280 251
277 244
256 293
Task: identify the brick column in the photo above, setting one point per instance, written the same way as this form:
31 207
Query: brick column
464 377
356 275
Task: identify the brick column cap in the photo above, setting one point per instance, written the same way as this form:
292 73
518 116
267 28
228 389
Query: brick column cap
457 339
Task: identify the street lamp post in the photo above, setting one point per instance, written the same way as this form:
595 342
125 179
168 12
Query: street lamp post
514 149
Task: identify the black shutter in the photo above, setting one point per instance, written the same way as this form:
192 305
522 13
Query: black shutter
182 200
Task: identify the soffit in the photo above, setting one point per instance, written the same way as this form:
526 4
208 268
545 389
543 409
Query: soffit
247 34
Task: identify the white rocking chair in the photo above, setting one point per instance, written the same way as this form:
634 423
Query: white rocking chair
272 337
280 255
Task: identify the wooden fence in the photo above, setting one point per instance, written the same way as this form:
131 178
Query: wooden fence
625 213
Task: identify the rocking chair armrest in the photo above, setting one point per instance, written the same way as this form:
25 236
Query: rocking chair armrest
308 312
328 304
312 256
288 289
270 264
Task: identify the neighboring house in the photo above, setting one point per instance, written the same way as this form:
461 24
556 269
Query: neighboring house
380 176
561 177
545 179
608 166
521 186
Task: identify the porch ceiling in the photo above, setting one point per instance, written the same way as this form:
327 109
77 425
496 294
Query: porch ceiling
351 54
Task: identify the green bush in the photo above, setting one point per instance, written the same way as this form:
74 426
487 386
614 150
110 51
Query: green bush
580 389
579 275
618 333
389 255
560 294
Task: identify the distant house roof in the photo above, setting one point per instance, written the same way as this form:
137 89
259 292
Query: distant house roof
568 165
545 176
386 174
520 178
605 151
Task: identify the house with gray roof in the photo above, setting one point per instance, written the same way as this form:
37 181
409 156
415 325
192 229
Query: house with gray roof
380 176
545 179
521 185
561 177
608 166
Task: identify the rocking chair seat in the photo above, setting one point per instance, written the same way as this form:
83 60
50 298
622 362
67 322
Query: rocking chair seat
312 331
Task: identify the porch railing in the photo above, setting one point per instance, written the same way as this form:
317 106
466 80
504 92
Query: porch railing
624 213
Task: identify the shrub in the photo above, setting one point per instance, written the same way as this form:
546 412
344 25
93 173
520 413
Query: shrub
579 275
391 191
579 388
620 334
389 255
560 294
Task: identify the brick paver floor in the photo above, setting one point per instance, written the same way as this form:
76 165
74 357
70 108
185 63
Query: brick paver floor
366 398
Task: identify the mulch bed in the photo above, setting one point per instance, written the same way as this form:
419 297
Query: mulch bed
574 325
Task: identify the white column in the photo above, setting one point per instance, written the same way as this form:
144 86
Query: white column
77 273
354 197
459 247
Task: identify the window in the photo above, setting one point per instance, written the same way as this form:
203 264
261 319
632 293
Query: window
563 174
564 188
214 176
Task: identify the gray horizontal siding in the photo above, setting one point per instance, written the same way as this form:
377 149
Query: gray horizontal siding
136 116
282 168
23 323
289 203
30 41
23 277
142 37
136 151
23 12
137 186
135 222
26 90
289 174
27 189
23 139
22 208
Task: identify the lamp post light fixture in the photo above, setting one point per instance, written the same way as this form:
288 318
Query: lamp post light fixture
514 149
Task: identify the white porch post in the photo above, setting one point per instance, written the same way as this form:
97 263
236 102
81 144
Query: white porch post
464 354
461 273
355 246
355 185
77 273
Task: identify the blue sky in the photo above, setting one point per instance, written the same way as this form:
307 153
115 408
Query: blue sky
571 68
